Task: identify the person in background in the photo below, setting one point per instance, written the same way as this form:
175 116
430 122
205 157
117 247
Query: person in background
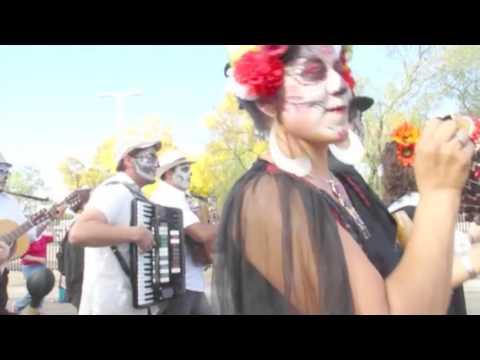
175 174
10 210
70 263
33 260
401 195
104 230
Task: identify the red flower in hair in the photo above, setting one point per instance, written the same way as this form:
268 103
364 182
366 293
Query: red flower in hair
347 76
275 50
406 154
406 137
260 71
346 72
475 136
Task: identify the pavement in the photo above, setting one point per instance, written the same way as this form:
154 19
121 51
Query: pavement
51 306
17 289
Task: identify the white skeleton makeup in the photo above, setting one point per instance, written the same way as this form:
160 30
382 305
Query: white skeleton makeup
313 85
351 151
181 176
146 164
4 173
316 105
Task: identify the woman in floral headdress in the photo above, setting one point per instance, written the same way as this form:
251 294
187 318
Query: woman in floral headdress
291 239
401 195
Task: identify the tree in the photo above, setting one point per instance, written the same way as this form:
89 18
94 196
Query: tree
410 96
72 170
459 75
77 175
429 76
232 150
27 181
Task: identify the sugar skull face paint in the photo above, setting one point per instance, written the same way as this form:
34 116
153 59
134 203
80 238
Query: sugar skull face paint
316 98
146 164
181 176
4 173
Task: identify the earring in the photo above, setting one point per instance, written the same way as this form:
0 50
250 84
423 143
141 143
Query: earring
353 154
300 166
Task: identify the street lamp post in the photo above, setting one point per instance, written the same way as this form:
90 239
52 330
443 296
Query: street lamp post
120 98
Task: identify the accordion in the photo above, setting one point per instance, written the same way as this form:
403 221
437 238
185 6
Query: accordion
159 274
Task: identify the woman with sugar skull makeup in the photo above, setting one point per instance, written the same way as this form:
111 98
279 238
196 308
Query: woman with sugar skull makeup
104 230
292 238
175 174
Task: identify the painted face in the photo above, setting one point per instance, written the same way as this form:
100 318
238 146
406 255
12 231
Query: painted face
4 173
146 164
316 98
181 176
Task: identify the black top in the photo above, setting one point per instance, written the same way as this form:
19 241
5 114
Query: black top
70 264
373 212
381 222
240 289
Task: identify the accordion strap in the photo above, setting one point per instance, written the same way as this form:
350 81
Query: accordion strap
137 194
121 261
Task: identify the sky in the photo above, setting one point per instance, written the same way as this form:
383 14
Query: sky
50 108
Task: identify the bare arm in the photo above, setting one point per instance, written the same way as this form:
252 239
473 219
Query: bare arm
459 273
92 229
421 283
41 228
202 233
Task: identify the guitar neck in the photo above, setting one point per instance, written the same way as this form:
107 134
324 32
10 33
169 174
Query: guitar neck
11 237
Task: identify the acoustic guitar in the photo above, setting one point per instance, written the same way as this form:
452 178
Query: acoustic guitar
15 236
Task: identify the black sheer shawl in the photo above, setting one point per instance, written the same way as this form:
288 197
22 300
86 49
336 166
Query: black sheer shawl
279 251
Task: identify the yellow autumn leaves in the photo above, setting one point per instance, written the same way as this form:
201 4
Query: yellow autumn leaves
232 149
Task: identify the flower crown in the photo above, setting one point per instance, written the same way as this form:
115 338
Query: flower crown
406 136
258 70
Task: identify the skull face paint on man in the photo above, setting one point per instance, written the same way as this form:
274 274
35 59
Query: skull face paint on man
181 176
4 173
316 97
146 164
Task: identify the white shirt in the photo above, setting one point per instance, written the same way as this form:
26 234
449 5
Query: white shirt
106 289
11 210
412 199
169 196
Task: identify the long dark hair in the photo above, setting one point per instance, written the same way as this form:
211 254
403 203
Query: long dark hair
397 180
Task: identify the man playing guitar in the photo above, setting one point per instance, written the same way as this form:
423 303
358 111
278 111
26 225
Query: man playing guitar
9 210
11 213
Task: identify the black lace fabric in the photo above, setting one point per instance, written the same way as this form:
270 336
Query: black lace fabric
279 250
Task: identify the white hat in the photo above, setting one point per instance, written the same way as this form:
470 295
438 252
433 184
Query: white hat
130 143
2 160
169 160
